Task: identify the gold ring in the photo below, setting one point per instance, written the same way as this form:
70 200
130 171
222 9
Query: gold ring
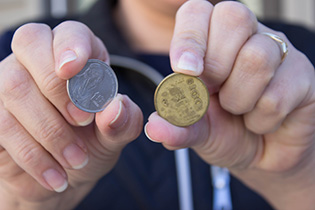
281 43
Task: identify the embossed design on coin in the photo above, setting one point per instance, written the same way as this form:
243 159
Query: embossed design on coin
93 87
181 99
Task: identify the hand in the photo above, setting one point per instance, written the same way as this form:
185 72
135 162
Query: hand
260 122
46 143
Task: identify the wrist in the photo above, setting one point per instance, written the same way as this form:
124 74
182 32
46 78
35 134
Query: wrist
294 189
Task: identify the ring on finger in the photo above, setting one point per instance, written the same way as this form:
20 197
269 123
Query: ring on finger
281 43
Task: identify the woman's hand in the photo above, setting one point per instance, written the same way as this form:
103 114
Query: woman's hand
47 145
261 118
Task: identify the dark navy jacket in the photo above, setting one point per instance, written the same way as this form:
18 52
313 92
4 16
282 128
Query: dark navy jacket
145 176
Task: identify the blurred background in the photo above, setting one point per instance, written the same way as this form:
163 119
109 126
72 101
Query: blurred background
13 12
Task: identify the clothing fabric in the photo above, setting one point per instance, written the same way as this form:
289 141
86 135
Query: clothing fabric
145 175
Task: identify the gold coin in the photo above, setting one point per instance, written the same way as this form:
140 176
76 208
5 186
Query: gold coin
181 99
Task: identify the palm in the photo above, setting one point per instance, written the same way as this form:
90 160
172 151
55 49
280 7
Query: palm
237 147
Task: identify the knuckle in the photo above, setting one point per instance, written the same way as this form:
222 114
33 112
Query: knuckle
28 34
255 55
257 128
236 15
194 38
73 35
69 23
15 85
50 131
6 122
233 106
271 107
260 124
216 69
258 63
52 85
194 7
306 65
185 32
29 155
81 31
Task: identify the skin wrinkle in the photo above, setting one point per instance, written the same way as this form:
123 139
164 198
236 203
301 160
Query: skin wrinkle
212 147
224 146
236 14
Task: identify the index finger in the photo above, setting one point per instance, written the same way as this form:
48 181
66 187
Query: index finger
74 43
42 51
188 46
232 24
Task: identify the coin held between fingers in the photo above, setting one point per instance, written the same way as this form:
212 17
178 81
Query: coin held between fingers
181 99
94 87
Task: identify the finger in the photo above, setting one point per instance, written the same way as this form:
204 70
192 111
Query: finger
120 123
254 67
208 137
189 41
172 137
231 25
74 43
29 155
33 46
8 167
289 89
21 97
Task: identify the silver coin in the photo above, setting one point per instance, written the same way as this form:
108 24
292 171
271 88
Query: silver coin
94 87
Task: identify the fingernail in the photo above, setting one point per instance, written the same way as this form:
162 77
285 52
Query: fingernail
80 117
55 180
67 57
87 121
146 133
120 117
75 156
190 62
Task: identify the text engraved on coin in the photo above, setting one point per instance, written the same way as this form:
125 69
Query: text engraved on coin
181 99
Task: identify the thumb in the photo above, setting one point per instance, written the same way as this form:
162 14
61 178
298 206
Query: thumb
219 138
120 123
116 126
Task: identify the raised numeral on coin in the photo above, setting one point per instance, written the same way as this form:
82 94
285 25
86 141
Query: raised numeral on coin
93 88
